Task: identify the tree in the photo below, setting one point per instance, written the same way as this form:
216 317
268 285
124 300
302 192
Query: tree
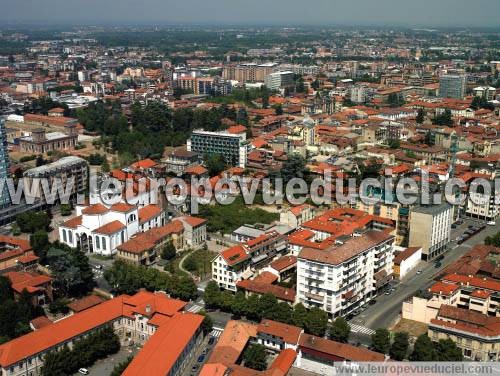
299 315
444 119
316 322
381 341
120 367
39 241
207 323
168 252
211 295
293 167
255 357
215 164
31 222
420 116
340 330
447 351
423 350
65 209
189 264
399 347
493 240
394 144
239 307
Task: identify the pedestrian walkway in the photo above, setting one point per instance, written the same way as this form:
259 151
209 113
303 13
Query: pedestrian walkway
195 308
216 333
361 329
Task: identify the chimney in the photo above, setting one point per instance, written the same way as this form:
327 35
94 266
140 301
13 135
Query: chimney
148 308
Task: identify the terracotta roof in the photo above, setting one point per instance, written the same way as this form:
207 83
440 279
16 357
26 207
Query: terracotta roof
122 207
26 259
338 254
144 164
110 228
289 333
73 222
338 350
40 322
443 288
85 303
32 282
297 210
193 221
22 244
165 346
484 283
63 330
284 262
401 256
235 254
232 342
149 212
147 240
237 129
196 170
95 209
281 293
266 277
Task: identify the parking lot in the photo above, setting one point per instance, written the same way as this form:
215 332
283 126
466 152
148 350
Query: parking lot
104 367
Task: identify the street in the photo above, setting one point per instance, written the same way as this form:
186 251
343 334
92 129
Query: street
387 308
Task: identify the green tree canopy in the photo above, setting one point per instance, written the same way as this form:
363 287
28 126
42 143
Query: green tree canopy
340 330
381 340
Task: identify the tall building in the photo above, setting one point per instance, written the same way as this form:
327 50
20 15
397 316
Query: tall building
430 228
346 275
232 146
452 86
4 165
249 72
279 80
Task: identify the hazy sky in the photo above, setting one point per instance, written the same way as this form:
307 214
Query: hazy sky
459 13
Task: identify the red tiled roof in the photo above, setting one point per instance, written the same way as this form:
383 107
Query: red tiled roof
85 303
338 350
165 346
289 333
40 322
234 254
281 293
149 212
22 244
73 222
443 288
338 254
63 330
284 262
266 277
484 283
237 129
29 281
144 164
196 170
95 209
401 256
193 221
122 207
147 240
110 228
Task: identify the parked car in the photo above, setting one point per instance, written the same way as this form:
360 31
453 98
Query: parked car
491 223
453 226
437 265
211 341
201 358
83 371
419 271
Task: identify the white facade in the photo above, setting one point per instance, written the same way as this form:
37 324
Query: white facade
340 286
101 230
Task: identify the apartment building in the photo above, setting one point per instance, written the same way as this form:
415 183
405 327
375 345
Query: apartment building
477 335
179 160
67 169
233 147
248 72
452 86
430 228
241 261
482 204
280 80
140 318
347 274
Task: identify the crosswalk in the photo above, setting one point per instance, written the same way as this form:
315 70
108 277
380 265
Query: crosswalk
195 308
216 333
361 329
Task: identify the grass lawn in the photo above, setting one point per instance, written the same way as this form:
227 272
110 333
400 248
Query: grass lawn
227 218
199 262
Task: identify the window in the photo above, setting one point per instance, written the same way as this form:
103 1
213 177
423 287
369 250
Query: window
97 242
70 236
103 243
64 236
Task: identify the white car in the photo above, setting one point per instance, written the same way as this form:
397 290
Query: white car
491 223
83 371
419 271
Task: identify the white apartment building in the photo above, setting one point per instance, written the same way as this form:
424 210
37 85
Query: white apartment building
481 204
279 80
101 229
241 261
345 276
430 228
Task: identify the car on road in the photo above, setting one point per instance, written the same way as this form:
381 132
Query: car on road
388 292
453 225
372 302
419 271
83 371
98 266
201 358
437 265
491 223
211 341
